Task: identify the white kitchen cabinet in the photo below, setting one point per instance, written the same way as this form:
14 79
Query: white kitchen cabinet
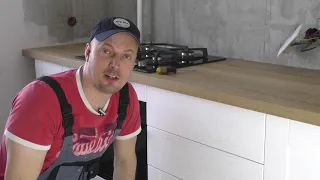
189 160
44 68
228 128
51 68
292 150
156 174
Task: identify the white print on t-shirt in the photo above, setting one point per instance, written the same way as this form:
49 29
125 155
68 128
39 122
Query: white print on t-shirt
89 140
94 146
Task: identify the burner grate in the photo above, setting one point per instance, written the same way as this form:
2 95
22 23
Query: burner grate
153 55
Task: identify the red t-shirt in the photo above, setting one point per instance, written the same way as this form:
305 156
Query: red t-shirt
35 119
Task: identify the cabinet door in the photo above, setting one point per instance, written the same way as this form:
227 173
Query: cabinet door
232 129
156 174
292 150
189 160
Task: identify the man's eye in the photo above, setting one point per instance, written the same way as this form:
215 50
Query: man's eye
105 51
126 56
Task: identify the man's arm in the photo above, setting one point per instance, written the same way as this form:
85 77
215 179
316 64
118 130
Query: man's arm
22 162
30 130
125 161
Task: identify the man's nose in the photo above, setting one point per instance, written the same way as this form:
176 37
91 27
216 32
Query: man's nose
114 63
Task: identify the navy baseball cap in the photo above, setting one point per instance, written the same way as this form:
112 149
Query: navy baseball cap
112 25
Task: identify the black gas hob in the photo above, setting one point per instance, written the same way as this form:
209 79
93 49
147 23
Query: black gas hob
153 55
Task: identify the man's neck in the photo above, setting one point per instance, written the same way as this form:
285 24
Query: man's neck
96 98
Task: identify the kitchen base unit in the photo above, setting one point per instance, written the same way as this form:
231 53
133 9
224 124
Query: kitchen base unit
191 138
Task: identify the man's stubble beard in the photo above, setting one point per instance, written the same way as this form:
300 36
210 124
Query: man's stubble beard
106 89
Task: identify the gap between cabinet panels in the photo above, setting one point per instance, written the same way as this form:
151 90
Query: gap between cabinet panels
224 151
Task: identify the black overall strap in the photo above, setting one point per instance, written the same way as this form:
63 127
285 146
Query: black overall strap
91 166
124 101
66 109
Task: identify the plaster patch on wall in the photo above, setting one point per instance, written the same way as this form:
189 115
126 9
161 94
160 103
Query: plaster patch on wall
315 9
287 7
199 22
205 23
164 21
88 13
244 40
291 12
54 15
208 8
50 13
248 10
35 11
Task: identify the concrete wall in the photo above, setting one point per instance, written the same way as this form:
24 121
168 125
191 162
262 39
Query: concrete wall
33 23
246 29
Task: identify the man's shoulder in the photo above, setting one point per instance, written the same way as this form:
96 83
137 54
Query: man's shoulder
38 88
133 97
132 91
131 126
65 76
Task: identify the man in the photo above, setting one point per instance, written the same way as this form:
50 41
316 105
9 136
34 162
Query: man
39 142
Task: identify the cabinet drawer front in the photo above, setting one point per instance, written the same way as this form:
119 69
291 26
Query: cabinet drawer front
235 130
140 90
156 174
189 160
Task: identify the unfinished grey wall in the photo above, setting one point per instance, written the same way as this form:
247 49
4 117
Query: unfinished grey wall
53 16
245 29
33 23
124 8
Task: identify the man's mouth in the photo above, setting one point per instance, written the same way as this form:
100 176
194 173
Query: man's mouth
111 77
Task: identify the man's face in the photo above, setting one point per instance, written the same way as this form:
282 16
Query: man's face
111 61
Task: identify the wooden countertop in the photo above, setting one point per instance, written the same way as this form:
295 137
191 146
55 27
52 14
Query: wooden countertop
288 92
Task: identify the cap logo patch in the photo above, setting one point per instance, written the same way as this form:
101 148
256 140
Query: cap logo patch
121 23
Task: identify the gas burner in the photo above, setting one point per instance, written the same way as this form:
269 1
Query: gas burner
151 55
186 54
148 48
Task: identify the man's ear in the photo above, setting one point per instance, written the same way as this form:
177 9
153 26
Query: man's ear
87 51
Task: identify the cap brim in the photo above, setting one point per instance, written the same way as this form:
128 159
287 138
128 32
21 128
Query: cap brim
104 35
